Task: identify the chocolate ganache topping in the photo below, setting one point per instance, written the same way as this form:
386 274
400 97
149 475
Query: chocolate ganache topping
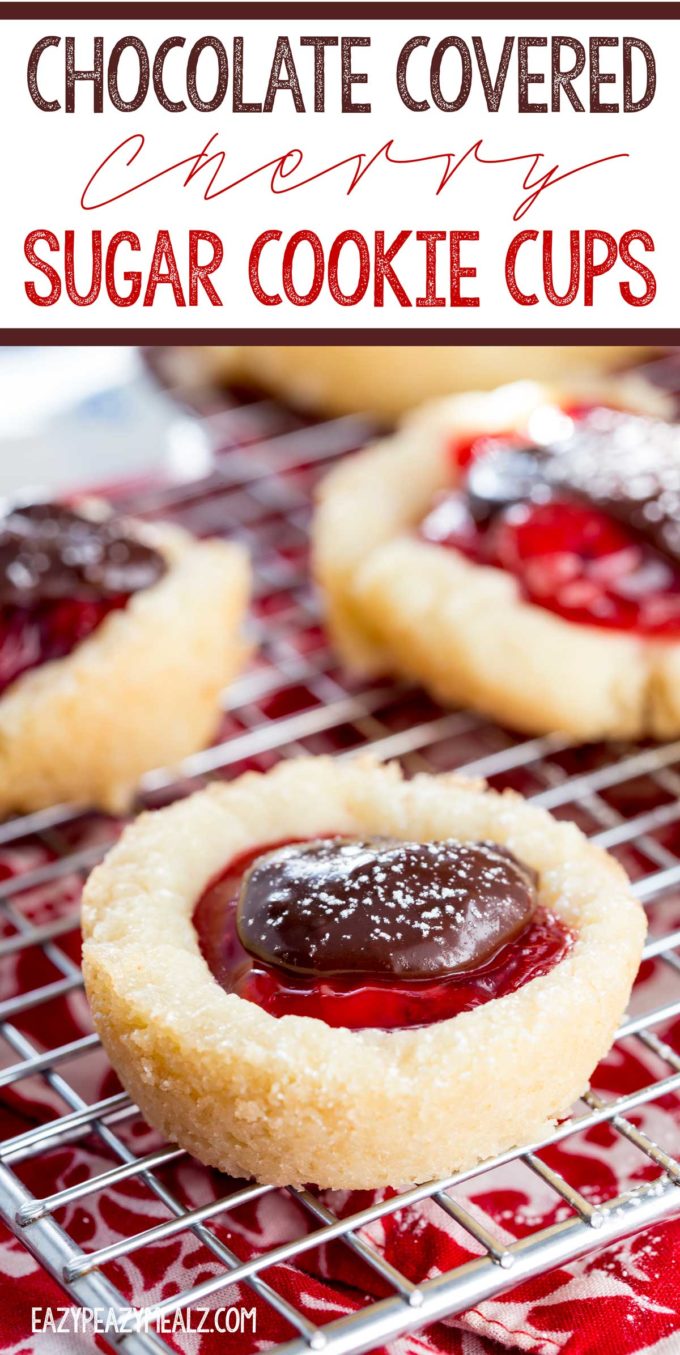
626 465
49 552
412 910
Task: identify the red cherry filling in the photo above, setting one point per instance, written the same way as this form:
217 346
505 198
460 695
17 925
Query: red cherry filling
568 555
30 636
363 1001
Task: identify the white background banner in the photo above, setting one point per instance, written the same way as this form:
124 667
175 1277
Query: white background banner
455 203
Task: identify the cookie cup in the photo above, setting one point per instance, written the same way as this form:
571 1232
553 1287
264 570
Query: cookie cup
389 381
396 603
140 692
290 1099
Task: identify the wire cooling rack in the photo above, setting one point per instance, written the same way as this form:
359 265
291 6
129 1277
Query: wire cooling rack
296 699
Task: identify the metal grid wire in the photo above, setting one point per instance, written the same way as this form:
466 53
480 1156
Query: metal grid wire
296 699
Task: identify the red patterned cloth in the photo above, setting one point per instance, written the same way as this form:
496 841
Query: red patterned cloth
622 1299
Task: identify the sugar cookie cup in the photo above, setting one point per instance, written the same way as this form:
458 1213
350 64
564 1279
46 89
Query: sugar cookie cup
390 381
290 1099
140 692
396 603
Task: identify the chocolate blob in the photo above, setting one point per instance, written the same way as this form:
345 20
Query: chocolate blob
503 476
50 552
403 909
626 465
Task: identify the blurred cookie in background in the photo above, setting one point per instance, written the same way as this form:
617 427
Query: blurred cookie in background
389 381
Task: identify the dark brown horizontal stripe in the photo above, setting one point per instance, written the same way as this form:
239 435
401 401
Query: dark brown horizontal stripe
453 14
369 338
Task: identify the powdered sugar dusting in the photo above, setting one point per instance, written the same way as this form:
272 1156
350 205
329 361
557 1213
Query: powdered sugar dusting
384 907
630 465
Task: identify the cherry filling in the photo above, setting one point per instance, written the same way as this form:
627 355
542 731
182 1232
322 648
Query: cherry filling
589 525
376 934
61 574
30 636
